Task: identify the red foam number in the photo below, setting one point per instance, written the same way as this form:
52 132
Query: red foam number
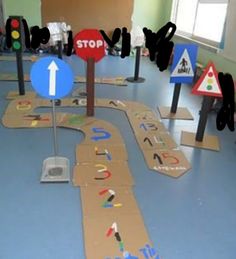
89 44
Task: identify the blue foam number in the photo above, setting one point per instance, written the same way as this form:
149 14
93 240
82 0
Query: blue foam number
105 134
51 78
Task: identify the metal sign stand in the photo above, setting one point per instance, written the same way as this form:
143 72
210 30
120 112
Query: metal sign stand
56 168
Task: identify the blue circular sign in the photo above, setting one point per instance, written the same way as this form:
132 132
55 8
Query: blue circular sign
51 77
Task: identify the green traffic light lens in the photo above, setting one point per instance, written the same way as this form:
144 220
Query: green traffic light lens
16 45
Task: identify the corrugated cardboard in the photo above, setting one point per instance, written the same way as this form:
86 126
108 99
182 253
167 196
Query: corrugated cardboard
147 127
209 142
15 94
85 173
131 229
170 162
156 141
95 204
182 113
97 152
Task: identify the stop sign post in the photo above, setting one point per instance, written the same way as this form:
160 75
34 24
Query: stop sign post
90 46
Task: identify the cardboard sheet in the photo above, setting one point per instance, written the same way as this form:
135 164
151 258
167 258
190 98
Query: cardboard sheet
97 152
95 201
147 127
111 103
43 120
116 81
156 141
141 115
76 121
102 132
181 113
102 174
209 142
15 94
119 81
13 58
169 162
100 239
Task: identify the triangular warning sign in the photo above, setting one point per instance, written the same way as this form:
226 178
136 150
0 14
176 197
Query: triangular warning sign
208 83
184 66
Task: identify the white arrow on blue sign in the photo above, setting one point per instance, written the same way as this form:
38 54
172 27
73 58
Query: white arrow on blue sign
51 77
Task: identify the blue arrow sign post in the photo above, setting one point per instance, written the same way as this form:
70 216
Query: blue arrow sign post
52 79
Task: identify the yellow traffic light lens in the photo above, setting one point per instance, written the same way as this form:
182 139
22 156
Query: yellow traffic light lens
15 35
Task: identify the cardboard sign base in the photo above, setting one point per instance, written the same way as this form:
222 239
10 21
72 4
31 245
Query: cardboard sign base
181 113
209 142
15 94
13 58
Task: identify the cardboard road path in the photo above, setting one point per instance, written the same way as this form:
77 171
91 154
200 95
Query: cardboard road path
118 81
150 133
13 58
112 222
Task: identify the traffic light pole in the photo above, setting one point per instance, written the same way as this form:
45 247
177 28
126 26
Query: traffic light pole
136 78
175 99
20 73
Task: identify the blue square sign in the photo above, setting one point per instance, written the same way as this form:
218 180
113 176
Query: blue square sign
184 63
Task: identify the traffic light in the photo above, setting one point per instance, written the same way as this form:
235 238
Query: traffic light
15 27
16 33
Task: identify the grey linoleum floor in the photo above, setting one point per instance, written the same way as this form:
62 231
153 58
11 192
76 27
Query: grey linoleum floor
187 218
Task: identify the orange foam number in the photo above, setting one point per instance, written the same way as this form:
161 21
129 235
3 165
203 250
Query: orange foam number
23 106
104 171
174 159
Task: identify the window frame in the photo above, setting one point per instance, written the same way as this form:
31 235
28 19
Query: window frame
191 36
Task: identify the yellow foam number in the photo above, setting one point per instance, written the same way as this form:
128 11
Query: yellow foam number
34 123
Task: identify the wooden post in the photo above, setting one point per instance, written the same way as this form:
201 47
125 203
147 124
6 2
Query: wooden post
90 86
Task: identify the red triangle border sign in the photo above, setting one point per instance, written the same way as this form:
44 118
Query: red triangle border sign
206 92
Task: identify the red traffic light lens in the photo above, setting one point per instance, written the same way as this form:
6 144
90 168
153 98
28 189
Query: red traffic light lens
15 23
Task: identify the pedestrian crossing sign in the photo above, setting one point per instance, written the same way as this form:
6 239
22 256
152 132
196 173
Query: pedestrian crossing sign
184 63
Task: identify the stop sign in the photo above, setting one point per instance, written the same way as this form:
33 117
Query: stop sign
89 44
